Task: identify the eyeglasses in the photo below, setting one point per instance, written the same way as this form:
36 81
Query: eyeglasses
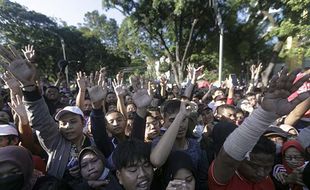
290 158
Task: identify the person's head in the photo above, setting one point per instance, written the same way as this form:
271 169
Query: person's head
128 99
175 89
240 116
92 163
71 122
237 97
131 107
293 155
217 92
220 132
50 183
116 123
179 166
258 163
133 167
111 107
8 135
206 114
152 127
4 117
87 107
52 93
170 111
251 97
219 100
111 98
226 113
16 168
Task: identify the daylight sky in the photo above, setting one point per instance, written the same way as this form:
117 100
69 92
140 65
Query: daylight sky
71 11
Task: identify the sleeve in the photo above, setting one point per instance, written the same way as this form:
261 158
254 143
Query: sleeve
41 120
212 183
202 171
138 128
98 130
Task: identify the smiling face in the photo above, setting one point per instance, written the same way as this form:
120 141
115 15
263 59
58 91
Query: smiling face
52 94
71 126
137 176
293 158
91 166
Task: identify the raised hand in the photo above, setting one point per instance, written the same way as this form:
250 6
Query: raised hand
142 98
98 92
19 108
81 81
118 86
29 53
280 88
11 82
21 69
187 107
163 81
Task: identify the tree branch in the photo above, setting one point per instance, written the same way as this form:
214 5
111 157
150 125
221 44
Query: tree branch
188 42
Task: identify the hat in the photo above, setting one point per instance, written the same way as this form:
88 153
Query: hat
6 129
220 97
275 131
69 109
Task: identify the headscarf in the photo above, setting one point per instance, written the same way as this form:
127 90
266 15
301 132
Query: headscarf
94 150
287 145
21 158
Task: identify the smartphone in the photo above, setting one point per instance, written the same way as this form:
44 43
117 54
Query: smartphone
234 79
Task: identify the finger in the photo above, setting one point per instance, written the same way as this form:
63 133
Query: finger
15 52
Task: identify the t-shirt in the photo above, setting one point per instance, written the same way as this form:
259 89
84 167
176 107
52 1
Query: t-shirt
237 182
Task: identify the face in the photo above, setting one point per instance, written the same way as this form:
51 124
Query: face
87 105
116 123
217 93
131 108
111 98
252 100
152 129
138 176
129 127
175 90
258 168
229 115
207 116
4 117
237 97
183 128
91 166
239 118
293 158
112 107
187 176
128 100
71 126
52 93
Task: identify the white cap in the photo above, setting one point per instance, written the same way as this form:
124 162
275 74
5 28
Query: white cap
69 109
6 129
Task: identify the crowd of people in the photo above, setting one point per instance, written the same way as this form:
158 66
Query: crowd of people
151 134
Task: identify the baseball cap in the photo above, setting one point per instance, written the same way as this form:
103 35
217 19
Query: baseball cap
69 109
6 129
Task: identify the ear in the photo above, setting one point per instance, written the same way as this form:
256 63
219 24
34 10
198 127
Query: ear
118 175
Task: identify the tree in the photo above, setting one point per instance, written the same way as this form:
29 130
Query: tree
166 27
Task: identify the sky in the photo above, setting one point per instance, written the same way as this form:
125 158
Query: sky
71 11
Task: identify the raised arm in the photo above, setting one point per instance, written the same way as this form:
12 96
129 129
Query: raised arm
120 92
37 111
81 82
162 150
193 75
297 113
244 138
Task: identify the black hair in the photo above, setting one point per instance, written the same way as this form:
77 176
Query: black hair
109 112
264 145
171 107
54 87
130 152
52 183
250 94
220 109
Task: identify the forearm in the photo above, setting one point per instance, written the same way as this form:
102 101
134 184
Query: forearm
80 98
163 91
297 113
304 136
231 92
162 150
121 106
189 90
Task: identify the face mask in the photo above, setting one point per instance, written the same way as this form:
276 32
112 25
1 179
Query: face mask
13 182
104 174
